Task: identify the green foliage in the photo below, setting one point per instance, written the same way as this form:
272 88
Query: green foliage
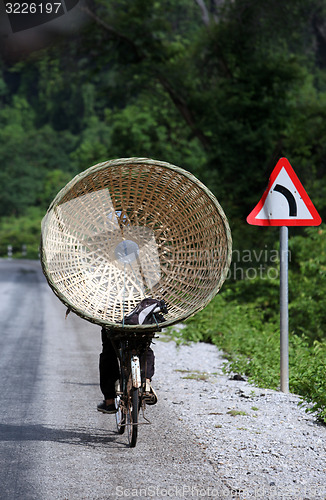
28 156
52 183
21 233
222 89
94 144
307 373
222 92
307 283
243 321
241 330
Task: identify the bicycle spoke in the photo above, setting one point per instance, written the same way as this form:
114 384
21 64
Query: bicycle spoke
120 416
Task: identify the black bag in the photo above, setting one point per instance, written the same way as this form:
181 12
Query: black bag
147 312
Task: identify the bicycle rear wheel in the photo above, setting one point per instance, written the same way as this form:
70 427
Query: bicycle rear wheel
132 416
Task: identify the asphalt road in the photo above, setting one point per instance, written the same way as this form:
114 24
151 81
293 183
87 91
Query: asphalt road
53 443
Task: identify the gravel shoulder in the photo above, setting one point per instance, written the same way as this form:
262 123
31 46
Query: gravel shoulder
260 441
210 437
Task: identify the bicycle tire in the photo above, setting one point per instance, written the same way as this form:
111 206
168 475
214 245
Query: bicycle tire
132 417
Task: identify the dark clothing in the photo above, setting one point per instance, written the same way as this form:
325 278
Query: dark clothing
109 366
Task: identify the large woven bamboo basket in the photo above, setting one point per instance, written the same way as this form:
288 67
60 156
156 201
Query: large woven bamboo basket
133 228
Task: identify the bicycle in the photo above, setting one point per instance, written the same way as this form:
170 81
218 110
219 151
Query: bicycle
126 229
130 389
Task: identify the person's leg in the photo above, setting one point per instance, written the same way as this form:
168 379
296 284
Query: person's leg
109 373
147 364
148 370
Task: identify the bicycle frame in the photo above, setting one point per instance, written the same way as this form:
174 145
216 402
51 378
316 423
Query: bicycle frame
129 348
135 372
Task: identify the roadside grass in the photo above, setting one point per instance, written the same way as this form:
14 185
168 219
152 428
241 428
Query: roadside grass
195 374
235 413
248 333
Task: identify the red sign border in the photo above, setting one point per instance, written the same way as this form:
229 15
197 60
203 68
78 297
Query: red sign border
315 221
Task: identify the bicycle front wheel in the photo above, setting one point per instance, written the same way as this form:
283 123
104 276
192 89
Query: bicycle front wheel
132 417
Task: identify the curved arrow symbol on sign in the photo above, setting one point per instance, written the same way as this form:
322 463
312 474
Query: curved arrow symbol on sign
290 198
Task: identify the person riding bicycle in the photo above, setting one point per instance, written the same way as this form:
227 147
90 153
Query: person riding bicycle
148 311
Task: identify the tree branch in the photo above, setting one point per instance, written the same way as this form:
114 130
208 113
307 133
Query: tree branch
204 12
184 111
113 32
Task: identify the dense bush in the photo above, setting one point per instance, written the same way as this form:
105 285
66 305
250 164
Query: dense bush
243 320
21 234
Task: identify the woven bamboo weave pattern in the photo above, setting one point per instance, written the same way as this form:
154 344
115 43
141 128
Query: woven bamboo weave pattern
133 228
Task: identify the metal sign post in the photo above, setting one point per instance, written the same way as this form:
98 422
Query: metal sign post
284 309
284 203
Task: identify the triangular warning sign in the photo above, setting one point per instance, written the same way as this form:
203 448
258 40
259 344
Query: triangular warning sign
285 201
